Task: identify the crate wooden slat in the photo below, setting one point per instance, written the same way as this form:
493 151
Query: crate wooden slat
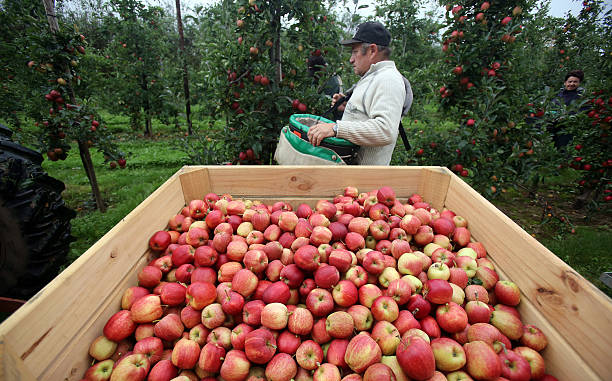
48 337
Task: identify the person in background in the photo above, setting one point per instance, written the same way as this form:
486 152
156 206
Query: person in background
571 89
317 68
379 99
569 93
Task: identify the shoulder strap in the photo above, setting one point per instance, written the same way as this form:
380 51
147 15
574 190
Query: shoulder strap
404 137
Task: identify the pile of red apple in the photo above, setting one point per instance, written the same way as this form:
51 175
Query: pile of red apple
363 287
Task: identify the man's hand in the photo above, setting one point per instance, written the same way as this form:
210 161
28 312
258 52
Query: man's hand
320 131
335 99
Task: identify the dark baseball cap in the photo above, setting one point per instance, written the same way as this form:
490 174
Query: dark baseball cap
371 32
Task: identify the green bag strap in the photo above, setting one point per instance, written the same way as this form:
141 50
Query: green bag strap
306 148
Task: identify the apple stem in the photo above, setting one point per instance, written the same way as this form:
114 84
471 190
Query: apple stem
504 348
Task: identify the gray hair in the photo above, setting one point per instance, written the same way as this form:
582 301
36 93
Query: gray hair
384 50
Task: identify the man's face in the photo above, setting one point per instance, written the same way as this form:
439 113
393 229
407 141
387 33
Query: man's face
572 83
361 62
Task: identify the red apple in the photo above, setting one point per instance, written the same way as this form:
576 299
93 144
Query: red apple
260 346
424 235
514 367
361 352
251 312
336 350
169 328
190 317
309 355
152 347
211 358
199 334
327 372
282 367
100 371
507 323
132 367
173 294
387 336
477 312
430 326
162 371
385 308
535 360
146 309
339 324
160 240
507 293
149 276
416 358
362 317
533 337
274 316
451 317
300 321
320 302
236 366
410 264
213 316
326 276
437 291
200 294
418 306
481 361
358 275
448 353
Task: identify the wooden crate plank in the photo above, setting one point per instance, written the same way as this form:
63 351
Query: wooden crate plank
561 359
78 299
195 183
311 181
11 366
433 186
576 309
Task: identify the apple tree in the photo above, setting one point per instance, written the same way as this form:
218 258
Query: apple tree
53 51
479 89
255 74
139 49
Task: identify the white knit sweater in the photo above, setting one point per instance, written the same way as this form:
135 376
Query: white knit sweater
373 113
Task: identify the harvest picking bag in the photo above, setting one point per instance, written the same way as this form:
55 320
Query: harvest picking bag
294 148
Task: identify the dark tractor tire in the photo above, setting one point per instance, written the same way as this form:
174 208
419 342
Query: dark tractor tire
34 222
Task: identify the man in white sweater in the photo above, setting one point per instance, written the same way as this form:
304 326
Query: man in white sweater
374 111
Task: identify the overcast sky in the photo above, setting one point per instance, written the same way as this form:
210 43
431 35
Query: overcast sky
558 8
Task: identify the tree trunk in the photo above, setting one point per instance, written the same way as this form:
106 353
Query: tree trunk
276 52
91 174
83 147
147 105
185 71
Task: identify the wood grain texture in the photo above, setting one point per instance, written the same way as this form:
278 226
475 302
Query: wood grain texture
577 315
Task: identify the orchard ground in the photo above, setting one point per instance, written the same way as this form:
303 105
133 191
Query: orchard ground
547 214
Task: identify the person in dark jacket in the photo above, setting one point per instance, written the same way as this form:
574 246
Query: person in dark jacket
569 93
317 69
571 90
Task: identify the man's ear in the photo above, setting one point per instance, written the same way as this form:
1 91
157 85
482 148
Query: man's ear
373 48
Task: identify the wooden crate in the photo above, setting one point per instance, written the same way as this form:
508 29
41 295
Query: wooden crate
48 338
